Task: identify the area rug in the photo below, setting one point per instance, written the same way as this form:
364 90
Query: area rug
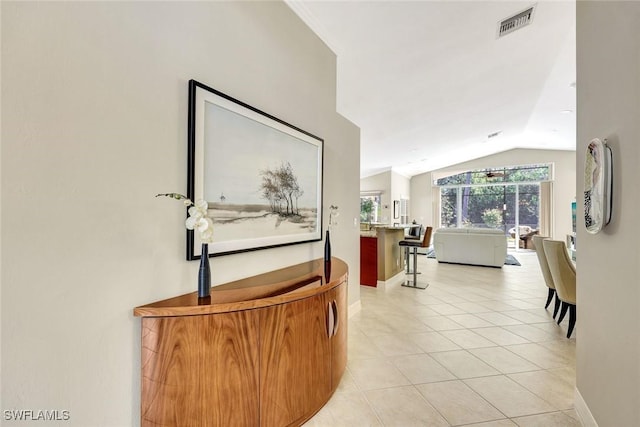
510 260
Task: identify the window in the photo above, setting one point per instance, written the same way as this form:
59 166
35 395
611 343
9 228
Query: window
507 199
370 207
449 207
404 211
529 173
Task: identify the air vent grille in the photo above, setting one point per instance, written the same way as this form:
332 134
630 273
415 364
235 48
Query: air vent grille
516 22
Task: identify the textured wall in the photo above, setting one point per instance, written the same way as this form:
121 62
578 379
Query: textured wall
94 124
608 263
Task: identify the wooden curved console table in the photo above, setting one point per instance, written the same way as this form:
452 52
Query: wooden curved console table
268 350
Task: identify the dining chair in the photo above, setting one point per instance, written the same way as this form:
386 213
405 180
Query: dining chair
546 274
564 279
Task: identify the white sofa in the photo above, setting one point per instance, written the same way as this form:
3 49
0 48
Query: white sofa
475 246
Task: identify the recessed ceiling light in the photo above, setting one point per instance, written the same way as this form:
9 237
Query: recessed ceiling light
567 111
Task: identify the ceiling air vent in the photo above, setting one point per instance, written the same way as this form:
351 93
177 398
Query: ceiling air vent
515 22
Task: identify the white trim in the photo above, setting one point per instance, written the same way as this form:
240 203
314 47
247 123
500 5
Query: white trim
586 418
314 24
394 280
354 308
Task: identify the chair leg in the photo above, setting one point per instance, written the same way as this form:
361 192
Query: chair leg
414 283
406 258
411 252
549 297
572 319
557 306
415 266
563 311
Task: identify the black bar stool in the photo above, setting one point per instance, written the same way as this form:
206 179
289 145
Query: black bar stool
415 231
412 245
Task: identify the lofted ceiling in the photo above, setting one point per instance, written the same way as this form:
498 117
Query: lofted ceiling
427 82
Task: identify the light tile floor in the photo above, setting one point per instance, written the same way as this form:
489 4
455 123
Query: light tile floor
475 348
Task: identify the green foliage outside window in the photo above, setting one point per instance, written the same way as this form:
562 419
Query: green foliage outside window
487 197
492 218
529 173
366 209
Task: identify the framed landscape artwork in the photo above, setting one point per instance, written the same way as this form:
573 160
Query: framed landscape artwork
261 176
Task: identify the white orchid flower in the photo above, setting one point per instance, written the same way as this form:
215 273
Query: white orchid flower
202 205
194 211
197 219
207 235
190 223
202 224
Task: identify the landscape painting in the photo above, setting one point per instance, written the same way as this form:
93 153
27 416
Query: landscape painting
261 176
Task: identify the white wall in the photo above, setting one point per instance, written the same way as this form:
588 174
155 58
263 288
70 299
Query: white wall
400 189
563 191
380 182
94 124
608 263
422 199
393 186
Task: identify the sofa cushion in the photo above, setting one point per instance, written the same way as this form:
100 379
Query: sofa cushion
485 231
452 230
475 246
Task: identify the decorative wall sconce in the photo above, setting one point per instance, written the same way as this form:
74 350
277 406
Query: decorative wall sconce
598 185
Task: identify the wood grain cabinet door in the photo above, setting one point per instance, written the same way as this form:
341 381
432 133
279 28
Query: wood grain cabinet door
369 261
200 371
295 375
338 298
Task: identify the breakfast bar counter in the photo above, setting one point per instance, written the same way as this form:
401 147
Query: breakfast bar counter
380 254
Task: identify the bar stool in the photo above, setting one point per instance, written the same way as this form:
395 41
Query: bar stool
415 231
412 245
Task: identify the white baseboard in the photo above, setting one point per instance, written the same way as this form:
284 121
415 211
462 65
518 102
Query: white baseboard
357 306
583 411
394 280
354 308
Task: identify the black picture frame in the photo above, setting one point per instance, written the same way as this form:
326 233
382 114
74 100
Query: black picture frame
262 177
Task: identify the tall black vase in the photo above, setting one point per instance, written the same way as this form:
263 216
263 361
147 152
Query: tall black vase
327 258
327 248
204 274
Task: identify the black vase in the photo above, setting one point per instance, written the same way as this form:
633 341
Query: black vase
327 248
204 274
327 271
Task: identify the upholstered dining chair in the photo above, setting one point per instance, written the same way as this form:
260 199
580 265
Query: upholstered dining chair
546 273
412 246
564 278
